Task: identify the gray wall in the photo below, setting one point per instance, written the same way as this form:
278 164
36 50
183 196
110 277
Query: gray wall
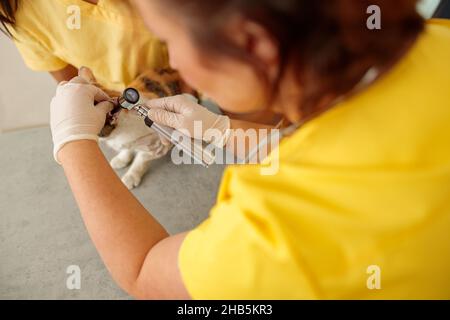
24 95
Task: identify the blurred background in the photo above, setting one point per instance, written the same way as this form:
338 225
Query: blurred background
22 89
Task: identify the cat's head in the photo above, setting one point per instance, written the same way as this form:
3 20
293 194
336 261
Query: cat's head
111 122
152 84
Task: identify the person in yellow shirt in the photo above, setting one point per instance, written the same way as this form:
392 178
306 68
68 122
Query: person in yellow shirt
359 206
60 36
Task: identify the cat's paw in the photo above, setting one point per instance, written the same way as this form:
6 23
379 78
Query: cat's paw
118 163
131 181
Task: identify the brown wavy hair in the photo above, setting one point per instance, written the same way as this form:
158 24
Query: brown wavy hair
8 10
327 41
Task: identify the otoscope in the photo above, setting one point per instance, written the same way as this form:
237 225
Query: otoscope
131 100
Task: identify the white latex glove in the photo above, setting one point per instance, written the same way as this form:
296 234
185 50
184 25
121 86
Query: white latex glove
182 112
74 114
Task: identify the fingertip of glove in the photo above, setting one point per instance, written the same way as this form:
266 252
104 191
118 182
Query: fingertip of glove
152 114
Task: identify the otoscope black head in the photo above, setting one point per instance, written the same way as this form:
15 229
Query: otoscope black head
131 96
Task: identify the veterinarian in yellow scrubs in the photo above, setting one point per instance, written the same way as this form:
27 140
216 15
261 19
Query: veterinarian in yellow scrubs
363 184
60 36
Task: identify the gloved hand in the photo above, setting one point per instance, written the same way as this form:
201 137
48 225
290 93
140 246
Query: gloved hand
182 112
74 114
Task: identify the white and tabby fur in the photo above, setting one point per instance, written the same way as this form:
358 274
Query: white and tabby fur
136 145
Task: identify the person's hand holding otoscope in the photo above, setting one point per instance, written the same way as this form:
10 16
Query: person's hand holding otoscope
166 115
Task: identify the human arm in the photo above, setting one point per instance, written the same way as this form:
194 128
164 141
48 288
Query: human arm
65 74
136 249
184 114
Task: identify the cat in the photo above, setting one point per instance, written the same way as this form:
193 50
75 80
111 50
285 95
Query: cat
125 132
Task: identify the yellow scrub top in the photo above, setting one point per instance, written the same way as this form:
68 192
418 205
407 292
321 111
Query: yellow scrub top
112 39
360 206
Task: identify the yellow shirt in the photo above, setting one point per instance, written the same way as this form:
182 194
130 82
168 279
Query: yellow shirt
362 197
112 39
